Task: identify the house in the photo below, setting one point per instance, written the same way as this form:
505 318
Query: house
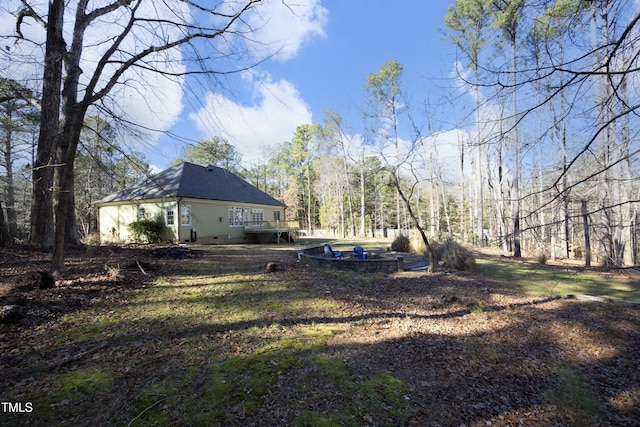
204 204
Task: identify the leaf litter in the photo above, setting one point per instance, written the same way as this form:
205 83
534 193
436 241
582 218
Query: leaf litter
326 348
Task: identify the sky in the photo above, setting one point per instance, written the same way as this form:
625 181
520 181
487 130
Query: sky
329 49
318 56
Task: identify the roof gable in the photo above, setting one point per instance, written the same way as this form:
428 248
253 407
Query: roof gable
194 181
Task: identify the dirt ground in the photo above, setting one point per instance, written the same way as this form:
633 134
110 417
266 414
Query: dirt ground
473 351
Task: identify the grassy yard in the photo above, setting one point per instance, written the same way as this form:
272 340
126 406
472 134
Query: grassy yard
560 281
215 340
549 280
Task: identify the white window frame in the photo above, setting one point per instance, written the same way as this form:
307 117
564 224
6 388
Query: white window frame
185 215
170 215
238 216
141 213
257 217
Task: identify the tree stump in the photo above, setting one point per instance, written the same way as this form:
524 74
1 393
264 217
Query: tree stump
10 314
271 267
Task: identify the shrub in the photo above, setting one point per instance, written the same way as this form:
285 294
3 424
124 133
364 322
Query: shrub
147 230
541 258
91 239
401 244
417 244
454 255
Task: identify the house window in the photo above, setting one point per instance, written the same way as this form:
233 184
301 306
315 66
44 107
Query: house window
276 215
170 218
237 216
142 214
185 215
257 217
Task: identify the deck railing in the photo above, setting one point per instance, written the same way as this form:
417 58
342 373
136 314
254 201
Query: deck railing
271 225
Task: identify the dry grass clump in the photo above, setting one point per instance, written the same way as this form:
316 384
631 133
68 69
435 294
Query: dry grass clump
541 258
113 272
401 244
454 255
417 244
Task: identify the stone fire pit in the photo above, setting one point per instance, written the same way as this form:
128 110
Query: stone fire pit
376 261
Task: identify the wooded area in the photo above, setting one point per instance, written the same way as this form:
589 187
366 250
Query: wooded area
547 157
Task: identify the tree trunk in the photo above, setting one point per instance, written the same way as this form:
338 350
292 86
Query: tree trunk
517 253
501 206
66 227
63 200
42 227
343 229
347 183
407 203
309 196
362 201
634 240
587 239
4 236
432 210
71 231
12 221
71 123
479 199
461 210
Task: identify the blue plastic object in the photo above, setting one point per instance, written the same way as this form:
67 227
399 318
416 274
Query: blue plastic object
334 254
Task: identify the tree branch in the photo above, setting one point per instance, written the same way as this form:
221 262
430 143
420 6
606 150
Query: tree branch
27 11
134 60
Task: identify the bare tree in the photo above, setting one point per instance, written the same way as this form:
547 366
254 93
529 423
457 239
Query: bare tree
16 119
385 91
599 69
4 234
507 19
574 104
467 22
132 37
410 163
334 133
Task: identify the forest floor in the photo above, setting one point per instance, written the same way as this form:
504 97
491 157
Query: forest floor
205 336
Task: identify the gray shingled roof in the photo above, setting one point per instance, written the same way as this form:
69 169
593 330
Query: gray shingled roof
197 182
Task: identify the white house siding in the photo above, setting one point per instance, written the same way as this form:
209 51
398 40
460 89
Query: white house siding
114 219
209 219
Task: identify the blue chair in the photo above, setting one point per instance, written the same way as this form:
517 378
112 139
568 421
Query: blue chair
359 253
329 250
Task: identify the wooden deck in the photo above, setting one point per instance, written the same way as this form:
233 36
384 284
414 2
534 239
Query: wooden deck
277 228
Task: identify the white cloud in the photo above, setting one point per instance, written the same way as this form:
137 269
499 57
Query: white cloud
146 98
279 29
447 145
21 60
154 103
283 27
277 109
461 76
141 96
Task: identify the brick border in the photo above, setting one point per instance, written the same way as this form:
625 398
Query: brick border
315 256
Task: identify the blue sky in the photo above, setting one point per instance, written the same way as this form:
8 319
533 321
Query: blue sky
344 41
320 53
360 36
